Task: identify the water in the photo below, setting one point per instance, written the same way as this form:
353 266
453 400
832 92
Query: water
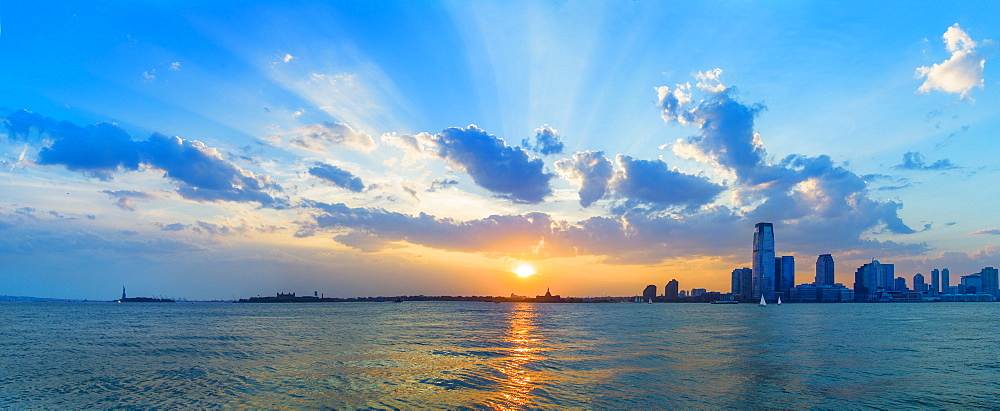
445 355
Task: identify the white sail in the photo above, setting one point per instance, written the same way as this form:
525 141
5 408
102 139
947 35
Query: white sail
762 302
779 300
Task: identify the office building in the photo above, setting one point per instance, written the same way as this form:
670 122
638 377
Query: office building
821 293
698 292
873 281
899 284
945 280
742 283
989 276
971 284
763 261
824 270
918 283
935 282
784 275
649 293
670 291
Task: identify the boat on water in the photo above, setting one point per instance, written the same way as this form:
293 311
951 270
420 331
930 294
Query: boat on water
762 302
779 300
725 302
650 300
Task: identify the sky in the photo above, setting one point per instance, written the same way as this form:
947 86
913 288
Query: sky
226 149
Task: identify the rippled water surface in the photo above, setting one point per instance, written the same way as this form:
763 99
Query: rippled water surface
508 356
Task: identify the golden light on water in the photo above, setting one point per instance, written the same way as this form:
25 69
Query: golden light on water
523 349
524 271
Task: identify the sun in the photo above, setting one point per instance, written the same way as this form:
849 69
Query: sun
524 271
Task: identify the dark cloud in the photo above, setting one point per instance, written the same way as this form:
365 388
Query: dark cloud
591 170
546 141
492 164
653 183
913 160
96 151
244 228
173 227
203 175
338 176
125 198
441 184
103 149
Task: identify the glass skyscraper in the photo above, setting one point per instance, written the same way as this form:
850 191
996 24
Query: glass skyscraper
824 270
763 261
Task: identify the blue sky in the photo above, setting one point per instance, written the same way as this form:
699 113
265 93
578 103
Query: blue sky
364 148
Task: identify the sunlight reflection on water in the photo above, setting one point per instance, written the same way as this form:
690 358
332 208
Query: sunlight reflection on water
498 356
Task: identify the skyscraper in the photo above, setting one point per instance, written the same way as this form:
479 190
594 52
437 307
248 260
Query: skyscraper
873 280
945 280
824 270
989 275
649 293
784 275
935 282
670 291
742 286
763 261
918 283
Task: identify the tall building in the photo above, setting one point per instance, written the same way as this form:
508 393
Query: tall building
649 293
990 286
935 282
824 270
945 280
899 284
742 285
971 284
784 275
873 281
670 291
763 261
918 283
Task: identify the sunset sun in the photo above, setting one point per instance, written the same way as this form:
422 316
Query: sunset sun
524 271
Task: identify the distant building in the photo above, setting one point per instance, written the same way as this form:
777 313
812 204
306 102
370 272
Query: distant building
698 292
873 281
990 286
784 275
649 293
670 291
935 282
763 261
918 283
899 284
683 294
945 280
824 270
548 297
971 284
821 293
742 283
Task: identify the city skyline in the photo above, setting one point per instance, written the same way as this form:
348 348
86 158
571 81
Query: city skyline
455 148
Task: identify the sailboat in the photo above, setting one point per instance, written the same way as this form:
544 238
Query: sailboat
762 302
650 300
779 300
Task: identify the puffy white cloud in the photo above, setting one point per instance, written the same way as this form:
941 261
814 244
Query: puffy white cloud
591 170
960 73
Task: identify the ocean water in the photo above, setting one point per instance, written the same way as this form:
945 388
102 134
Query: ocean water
455 355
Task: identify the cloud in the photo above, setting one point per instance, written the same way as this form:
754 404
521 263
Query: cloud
961 72
987 231
149 75
317 137
546 141
202 173
913 160
175 66
96 151
125 198
338 176
591 170
800 189
506 171
442 184
173 227
652 183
